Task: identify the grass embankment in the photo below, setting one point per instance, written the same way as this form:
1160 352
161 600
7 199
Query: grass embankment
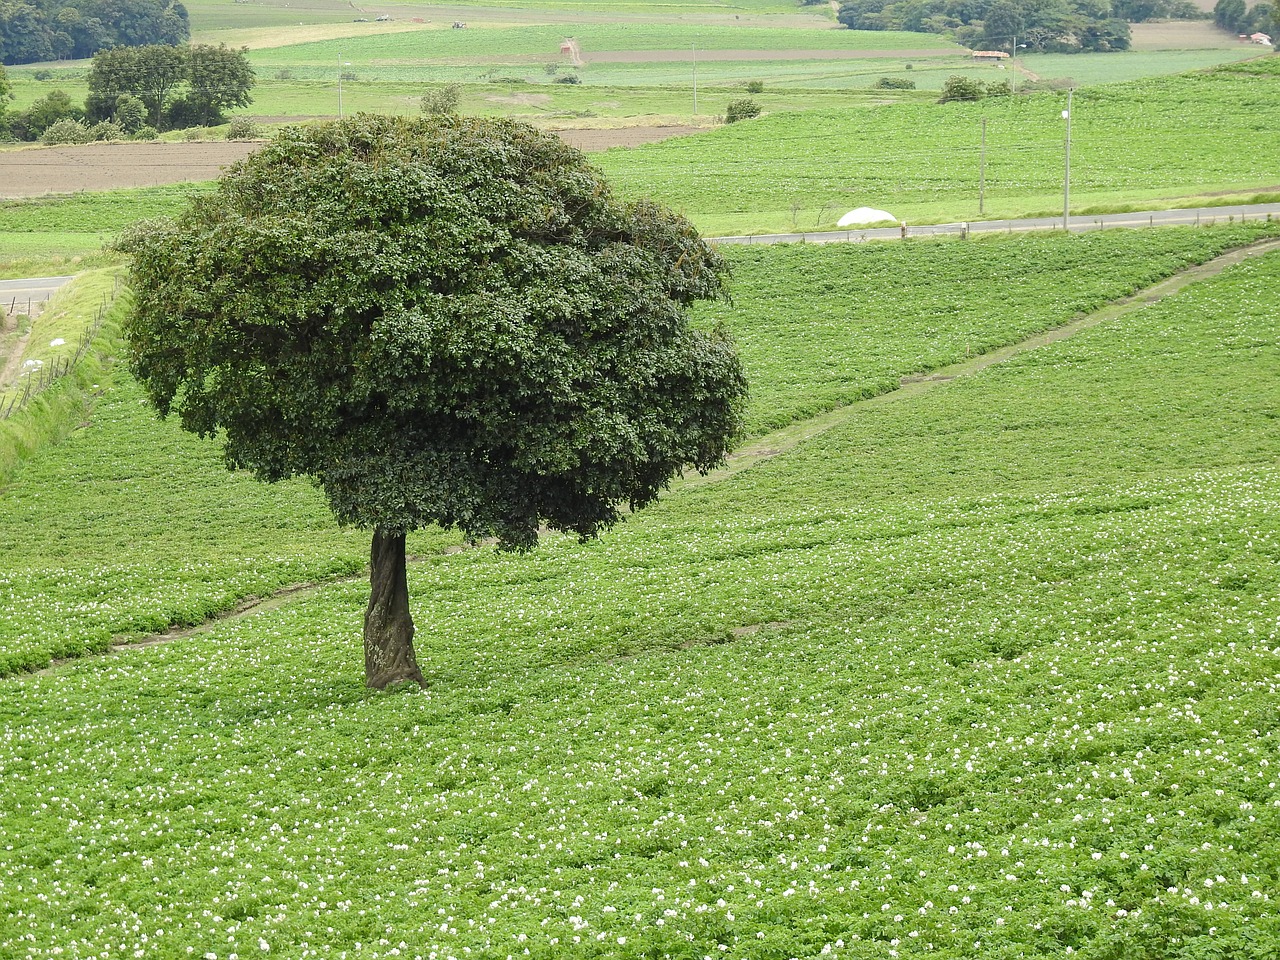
986 673
54 338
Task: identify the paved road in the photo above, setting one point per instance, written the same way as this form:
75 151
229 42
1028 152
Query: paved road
1077 224
18 294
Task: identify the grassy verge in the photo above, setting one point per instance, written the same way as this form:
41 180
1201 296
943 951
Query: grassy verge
56 334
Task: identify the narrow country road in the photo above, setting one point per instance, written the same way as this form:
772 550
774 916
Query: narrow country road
1195 216
16 295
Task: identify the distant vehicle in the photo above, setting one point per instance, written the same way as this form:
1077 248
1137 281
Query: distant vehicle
382 19
360 20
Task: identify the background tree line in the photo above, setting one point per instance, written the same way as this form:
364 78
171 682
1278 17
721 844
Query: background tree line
36 30
1238 17
1054 26
144 90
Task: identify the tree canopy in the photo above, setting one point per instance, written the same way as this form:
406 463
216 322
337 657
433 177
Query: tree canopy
441 320
33 30
180 86
1056 26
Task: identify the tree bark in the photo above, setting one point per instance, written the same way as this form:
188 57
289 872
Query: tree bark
388 627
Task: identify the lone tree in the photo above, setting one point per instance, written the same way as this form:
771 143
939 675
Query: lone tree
443 321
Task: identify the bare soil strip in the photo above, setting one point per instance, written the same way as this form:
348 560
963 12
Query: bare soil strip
788 438
37 171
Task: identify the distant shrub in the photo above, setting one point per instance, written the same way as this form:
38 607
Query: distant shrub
742 109
894 83
285 74
962 88
568 78
131 113
1051 83
755 86
443 100
242 128
146 132
999 88
106 130
43 74
31 123
66 130
349 75
193 133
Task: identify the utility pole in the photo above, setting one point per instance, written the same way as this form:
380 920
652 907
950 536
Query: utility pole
1066 170
695 79
982 168
339 86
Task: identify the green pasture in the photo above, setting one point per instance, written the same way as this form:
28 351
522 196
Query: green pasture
1148 142
211 19
493 44
987 672
64 234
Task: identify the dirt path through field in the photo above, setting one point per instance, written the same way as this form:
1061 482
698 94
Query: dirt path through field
788 438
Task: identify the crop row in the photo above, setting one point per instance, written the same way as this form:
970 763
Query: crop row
133 525
986 673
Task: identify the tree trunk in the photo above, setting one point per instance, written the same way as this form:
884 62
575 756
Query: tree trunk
388 627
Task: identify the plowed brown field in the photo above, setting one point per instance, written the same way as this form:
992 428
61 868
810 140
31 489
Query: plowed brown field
35 171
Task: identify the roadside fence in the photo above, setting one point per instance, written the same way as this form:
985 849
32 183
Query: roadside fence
40 376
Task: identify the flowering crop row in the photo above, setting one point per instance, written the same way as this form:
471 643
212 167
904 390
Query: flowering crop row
132 526
990 672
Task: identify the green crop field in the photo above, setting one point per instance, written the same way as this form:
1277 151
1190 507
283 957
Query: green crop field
803 357
1143 142
1158 142
989 671
211 19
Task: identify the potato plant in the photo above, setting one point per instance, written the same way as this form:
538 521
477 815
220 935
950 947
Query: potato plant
987 673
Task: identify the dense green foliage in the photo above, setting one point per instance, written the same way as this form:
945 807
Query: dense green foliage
1057 26
1238 17
743 108
987 673
32 30
442 320
179 86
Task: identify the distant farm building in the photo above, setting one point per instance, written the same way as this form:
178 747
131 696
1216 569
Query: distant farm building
990 55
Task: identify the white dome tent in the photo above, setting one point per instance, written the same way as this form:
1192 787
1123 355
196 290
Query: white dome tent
864 216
